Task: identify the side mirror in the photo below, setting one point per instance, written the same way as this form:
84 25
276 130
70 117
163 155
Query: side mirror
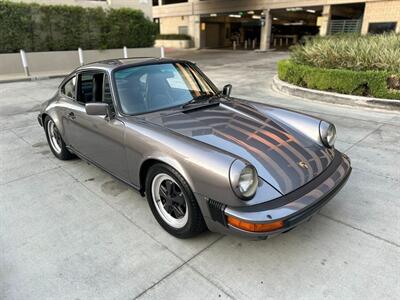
98 109
226 91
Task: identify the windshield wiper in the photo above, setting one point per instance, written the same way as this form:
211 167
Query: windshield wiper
198 99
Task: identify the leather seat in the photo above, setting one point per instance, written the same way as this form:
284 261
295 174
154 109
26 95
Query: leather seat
97 87
158 95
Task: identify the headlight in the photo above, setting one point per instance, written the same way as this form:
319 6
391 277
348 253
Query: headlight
244 179
327 132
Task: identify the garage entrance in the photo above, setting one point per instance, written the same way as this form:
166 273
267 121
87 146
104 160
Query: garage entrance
292 25
224 30
242 30
289 26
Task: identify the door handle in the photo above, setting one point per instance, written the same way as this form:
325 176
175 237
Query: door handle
71 115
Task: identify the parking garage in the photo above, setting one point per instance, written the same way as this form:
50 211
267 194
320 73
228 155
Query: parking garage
262 24
289 26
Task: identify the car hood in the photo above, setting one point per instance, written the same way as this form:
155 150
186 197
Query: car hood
283 157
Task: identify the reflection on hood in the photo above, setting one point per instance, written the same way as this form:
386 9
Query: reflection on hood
283 157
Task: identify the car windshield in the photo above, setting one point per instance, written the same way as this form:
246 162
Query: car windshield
149 88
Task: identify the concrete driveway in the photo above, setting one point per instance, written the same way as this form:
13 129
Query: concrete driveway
70 231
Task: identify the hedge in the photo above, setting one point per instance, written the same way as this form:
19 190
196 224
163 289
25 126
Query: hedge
34 27
173 37
362 83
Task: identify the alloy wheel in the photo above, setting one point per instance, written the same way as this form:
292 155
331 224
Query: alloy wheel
169 200
54 136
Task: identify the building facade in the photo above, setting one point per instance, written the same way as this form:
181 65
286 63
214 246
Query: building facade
272 23
143 5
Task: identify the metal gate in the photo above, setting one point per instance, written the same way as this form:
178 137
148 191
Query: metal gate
345 26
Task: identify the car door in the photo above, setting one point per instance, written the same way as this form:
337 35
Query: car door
99 138
67 97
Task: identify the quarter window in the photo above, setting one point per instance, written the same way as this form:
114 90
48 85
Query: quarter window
69 88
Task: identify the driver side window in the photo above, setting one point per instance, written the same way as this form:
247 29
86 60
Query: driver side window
94 87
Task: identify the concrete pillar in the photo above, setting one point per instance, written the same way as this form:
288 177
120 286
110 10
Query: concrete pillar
241 37
364 27
160 2
325 19
226 27
194 30
365 18
265 39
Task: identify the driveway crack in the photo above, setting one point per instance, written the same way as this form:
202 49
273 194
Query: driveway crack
184 264
365 137
361 230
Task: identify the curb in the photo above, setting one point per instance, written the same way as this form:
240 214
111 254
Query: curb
335 98
33 78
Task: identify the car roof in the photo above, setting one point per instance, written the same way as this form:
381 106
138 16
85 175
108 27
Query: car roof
111 64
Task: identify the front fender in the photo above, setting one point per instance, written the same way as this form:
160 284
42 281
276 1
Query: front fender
302 123
168 160
204 168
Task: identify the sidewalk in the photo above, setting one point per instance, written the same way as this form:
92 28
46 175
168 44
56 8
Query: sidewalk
50 64
69 230
7 78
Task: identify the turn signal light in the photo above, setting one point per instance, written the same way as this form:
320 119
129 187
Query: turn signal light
253 227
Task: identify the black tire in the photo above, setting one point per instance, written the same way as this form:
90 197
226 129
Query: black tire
195 223
62 153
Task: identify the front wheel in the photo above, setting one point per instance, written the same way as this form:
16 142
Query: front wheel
173 203
55 140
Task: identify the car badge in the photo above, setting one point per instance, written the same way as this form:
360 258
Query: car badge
303 164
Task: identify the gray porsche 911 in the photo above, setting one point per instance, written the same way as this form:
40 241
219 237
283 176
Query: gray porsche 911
202 158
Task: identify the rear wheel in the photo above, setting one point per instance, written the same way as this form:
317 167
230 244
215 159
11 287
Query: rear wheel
172 202
55 140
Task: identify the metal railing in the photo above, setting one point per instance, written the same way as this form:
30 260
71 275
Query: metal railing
345 26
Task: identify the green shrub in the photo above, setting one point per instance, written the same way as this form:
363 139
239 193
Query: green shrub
34 27
362 83
352 52
173 37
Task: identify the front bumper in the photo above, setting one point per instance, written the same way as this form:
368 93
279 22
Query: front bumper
289 210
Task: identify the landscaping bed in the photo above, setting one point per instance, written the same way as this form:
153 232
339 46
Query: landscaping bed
180 41
355 65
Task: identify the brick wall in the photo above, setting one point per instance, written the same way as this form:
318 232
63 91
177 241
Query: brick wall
382 11
170 25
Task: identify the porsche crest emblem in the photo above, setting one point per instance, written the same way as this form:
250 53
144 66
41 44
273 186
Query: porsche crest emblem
303 164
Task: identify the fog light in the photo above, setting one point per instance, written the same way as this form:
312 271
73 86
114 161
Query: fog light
254 227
